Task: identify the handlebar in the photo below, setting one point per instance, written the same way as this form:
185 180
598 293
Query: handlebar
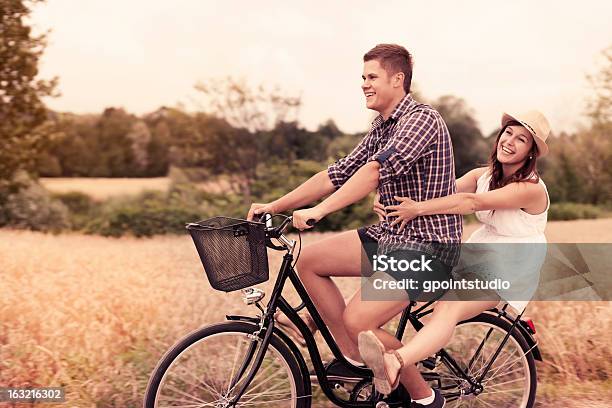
277 232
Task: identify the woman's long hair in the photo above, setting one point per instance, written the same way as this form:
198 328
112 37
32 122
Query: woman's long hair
528 171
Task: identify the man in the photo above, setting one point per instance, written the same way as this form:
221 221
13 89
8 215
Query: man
406 153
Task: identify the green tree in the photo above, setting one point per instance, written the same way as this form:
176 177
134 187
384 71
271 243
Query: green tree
71 150
578 168
563 177
469 146
252 108
21 110
251 114
157 151
140 136
600 106
113 145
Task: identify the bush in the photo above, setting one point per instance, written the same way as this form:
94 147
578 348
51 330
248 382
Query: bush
148 214
81 208
76 202
146 220
154 212
573 211
279 178
24 203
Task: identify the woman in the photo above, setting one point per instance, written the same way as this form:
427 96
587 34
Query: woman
511 202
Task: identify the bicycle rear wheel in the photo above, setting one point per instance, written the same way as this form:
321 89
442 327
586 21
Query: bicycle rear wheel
198 371
510 382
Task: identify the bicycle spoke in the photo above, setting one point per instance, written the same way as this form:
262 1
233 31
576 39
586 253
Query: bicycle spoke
256 395
263 375
185 394
240 340
522 355
504 383
201 383
260 375
484 365
514 390
472 347
266 381
480 401
263 402
208 404
201 375
480 348
485 360
509 365
502 375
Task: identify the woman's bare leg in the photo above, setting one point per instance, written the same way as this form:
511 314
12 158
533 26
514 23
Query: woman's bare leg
438 330
432 337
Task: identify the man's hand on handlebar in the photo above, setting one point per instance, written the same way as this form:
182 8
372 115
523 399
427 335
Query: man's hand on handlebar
259 208
306 218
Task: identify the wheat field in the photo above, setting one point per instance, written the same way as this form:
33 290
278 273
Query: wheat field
94 315
103 188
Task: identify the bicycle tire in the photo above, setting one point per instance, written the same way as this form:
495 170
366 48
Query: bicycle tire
515 351
278 356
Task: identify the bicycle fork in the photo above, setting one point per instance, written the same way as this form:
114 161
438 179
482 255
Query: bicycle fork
266 329
256 339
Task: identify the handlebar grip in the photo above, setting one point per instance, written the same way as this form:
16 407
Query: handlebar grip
311 222
263 217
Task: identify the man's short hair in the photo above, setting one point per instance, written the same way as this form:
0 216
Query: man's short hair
393 58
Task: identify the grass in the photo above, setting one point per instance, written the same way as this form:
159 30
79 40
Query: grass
95 314
102 188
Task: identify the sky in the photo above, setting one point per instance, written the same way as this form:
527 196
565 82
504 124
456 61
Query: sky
500 56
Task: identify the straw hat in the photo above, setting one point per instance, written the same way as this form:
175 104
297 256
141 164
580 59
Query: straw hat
535 122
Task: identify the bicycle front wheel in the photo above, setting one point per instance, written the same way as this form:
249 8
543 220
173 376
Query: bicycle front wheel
200 369
511 380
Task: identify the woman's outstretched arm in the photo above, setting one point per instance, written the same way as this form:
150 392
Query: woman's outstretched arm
514 195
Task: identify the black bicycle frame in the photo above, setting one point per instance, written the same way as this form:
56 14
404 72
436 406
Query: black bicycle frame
267 327
277 301
414 319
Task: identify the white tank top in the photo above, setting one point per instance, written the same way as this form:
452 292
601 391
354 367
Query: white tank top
520 265
513 225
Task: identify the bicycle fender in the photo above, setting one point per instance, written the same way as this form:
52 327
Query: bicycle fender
533 344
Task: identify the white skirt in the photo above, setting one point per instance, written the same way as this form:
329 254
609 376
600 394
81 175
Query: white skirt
519 265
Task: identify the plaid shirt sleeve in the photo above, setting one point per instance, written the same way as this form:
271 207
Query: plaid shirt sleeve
413 137
340 171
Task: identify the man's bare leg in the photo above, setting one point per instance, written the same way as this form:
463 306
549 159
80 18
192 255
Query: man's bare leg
337 255
372 315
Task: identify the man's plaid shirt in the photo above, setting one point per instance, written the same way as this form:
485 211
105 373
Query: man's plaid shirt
414 149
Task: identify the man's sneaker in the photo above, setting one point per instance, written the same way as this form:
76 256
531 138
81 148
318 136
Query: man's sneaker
337 371
438 402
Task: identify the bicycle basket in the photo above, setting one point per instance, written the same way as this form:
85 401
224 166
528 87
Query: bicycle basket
232 251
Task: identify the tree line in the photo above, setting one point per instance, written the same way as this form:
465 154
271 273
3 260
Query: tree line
116 143
248 136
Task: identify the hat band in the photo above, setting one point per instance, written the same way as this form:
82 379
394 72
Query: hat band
529 128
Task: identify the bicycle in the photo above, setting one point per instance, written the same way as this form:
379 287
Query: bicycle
248 361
